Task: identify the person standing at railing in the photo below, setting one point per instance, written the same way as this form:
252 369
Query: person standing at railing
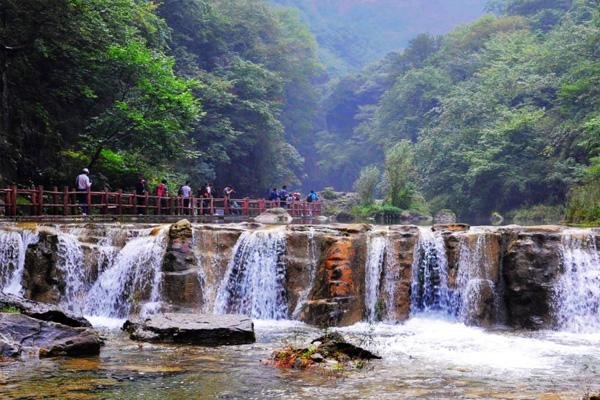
83 184
162 192
205 193
186 193
141 189
283 196
234 207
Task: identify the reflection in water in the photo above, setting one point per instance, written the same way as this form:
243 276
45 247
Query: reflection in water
423 358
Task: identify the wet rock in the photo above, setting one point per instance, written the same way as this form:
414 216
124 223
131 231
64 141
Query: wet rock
455 227
329 351
496 218
531 265
20 332
196 329
41 311
336 298
41 279
344 216
274 216
181 285
445 216
400 258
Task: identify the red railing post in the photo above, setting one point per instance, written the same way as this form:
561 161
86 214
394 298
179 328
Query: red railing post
192 205
55 200
41 200
225 206
13 195
246 206
88 200
146 203
66 201
119 203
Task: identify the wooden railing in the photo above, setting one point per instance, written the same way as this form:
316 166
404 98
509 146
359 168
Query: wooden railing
70 202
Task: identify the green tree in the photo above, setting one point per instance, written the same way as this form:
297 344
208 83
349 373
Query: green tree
400 174
366 183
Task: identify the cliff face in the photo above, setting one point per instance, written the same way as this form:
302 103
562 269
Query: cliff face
482 276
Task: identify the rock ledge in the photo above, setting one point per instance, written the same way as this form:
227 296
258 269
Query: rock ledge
197 329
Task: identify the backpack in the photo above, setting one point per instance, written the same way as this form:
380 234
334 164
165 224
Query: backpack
309 198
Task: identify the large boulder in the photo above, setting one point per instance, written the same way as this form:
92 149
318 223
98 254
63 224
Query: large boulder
445 216
274 216
337 295
531 265
196 329
180 284
42 311
41 278
20 332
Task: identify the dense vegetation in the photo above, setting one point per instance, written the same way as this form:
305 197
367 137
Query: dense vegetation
501 115
179 89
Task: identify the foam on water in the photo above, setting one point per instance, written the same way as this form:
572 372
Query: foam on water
105 322
254 282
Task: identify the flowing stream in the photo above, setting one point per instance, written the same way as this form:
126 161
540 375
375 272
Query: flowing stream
13 247
254 281
132 281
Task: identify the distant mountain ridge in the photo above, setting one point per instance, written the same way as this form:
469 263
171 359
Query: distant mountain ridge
353 33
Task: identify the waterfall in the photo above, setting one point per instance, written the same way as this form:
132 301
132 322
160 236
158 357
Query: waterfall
376 251
429 288
71 265
577 292
254 282
13 248
311 249
133 279
476 280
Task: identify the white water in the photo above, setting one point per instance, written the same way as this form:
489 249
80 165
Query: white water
477 276
254 282
13 248
134 279
430 274
577 297
311 249
71 265
376 250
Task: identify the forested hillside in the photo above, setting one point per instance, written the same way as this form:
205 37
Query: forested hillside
354 33
207 90
501 114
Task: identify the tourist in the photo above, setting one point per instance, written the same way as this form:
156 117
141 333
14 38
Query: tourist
283 197
186 193
83 185
162 192
312 197
141 190
205 193
274 195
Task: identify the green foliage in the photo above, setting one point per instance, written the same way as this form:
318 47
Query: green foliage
539 214
10 310
366 183
584 204
399 174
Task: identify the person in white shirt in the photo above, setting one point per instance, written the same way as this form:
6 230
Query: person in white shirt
186 192
83 184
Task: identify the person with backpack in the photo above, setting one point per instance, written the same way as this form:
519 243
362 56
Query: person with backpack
312 197
283 195
274 195
83 184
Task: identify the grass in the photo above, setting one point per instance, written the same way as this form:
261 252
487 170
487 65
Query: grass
10 310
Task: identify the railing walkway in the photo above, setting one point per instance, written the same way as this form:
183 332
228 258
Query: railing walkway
70 202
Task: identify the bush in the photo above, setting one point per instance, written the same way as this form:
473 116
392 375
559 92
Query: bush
366 183
329 193
539 214
584 205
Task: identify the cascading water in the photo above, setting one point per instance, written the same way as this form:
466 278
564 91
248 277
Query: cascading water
133 279
577 293
254 282
476 280
13 247
312 271
376 252
71 265
429 288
